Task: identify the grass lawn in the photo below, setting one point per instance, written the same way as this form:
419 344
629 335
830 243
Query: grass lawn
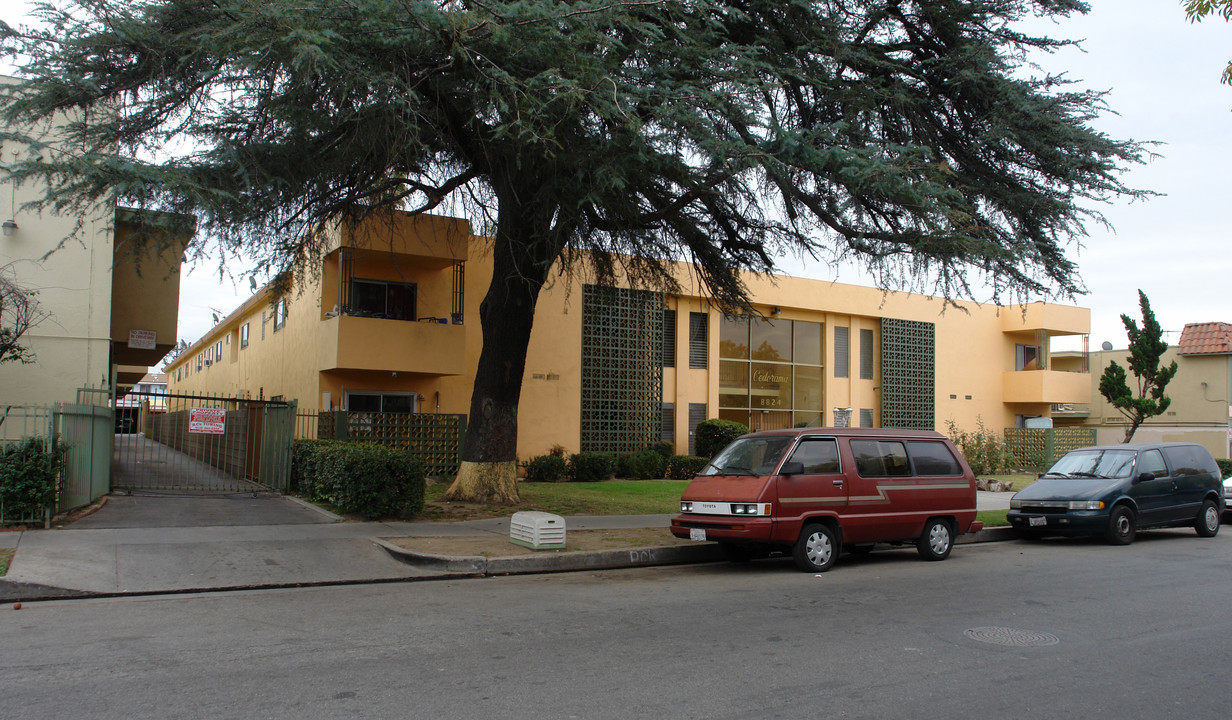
6 557
993 518
610 497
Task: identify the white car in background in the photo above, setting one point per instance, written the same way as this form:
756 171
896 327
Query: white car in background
1227 497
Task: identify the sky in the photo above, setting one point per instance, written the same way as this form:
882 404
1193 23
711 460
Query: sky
1162 77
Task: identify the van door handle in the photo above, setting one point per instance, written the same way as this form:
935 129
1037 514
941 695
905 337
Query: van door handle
837 483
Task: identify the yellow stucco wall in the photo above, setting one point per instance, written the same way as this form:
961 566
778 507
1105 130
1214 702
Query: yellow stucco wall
319 353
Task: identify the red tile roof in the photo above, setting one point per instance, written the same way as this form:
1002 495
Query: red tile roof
1206 339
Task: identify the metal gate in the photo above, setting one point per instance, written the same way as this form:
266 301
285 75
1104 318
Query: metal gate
202 443
86 430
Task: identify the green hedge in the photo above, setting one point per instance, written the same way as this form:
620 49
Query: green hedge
714 435
28 476
592 466
1225 467
546 468
644 465
684 467
359 478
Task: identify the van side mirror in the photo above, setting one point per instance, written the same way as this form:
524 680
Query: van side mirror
1144 477
792 468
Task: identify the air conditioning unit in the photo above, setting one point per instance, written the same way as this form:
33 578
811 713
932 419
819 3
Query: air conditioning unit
537 530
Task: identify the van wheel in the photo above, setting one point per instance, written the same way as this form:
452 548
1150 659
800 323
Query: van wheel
937 540
816 549
1207 523
1122 526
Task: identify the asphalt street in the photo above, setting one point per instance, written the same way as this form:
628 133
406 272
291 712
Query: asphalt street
1059 628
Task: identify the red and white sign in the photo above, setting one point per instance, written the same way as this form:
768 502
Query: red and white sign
207 421
142 339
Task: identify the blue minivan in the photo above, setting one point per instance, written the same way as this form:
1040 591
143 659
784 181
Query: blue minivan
1116 490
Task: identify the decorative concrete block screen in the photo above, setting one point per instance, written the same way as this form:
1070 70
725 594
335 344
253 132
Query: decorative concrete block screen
1038 448
908 374
622 368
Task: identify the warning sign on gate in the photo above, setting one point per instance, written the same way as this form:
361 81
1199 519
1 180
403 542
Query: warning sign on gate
207 421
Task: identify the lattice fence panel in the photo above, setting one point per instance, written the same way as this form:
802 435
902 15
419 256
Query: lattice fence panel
1039 448
622 368
436 439
908 374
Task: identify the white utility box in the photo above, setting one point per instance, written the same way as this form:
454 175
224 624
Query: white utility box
537 530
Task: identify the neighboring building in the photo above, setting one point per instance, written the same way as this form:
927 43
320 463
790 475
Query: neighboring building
135 410
389 322
1201 393
109 321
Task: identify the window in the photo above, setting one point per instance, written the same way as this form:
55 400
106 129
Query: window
1153 462
244 336
218 351
699 338
380 299
667 430
866 417
933 458
841 355
770 373
697 413
1190 460
866 354
880 458
817 455
384 402
669 338
280 315
1026 357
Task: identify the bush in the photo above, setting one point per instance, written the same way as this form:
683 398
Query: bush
304 463
714 435
592 466
643 465
985 451
28 475
664 448
1225 467
364 479
684 467
546 468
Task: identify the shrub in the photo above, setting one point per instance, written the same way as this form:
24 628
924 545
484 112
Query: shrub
1225 467
643 465
664 448
546 468
985 451
304 463
714 435
684 467
592 466
28 476
365 479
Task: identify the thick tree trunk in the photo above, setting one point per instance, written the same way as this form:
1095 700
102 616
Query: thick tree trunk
522 257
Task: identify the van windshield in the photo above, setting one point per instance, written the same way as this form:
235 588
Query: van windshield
1094 464
749 456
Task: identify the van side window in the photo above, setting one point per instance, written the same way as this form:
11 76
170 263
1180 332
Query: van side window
932 458
880 458
1151 461
1189 460
818 456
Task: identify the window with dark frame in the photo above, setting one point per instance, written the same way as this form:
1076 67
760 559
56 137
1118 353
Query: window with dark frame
841 351
280 315
699 337
243 336
866 354
669 338
381 299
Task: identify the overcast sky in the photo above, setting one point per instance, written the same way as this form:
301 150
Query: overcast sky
1163 77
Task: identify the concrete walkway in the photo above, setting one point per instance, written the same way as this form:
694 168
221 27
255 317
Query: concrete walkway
144 546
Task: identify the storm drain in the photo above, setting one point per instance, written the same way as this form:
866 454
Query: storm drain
1012 637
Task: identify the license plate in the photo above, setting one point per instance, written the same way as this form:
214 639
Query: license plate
697 534
1037 521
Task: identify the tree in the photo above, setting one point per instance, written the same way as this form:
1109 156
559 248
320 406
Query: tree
19 313
1146 347
615 135
1198 10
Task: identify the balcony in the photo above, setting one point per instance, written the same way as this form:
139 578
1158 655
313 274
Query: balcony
1046 386
1053 319
360 343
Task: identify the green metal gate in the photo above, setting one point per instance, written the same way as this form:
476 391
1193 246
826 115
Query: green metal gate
202 443
87 433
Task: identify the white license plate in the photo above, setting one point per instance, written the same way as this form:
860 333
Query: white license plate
1037 521
697 534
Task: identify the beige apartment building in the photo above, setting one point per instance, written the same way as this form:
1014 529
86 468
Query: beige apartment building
107 321
389 322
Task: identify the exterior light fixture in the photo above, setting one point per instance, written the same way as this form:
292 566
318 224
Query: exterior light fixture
9 226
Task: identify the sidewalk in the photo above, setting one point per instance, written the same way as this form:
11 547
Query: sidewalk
307 547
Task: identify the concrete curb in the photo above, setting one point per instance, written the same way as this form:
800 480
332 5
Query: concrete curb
551 562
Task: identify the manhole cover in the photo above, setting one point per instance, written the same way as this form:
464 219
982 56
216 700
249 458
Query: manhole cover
1011 636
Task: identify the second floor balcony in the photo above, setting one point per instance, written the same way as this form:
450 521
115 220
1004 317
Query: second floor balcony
1046 386
429 347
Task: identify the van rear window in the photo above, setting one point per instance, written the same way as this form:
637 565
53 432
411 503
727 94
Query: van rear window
932 458
880 458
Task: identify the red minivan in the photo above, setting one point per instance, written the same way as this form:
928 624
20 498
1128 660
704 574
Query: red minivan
820 490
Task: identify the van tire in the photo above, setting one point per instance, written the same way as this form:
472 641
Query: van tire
1207 523
937 540
1122 526
816 549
